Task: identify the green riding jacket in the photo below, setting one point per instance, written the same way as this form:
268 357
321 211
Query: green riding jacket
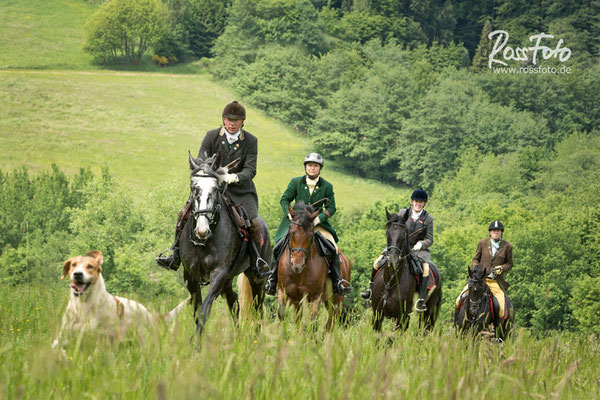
297 190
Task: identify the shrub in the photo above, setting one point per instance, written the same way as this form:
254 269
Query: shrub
125 28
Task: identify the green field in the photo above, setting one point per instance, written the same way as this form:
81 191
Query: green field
280 360
141 125
59 108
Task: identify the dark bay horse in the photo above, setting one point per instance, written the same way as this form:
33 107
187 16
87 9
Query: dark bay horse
477 311
303 272
395 286
212 251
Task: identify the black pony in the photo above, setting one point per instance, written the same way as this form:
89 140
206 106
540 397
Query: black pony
212 250
477 311
394 288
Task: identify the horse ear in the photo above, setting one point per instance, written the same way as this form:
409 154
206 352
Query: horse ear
406 214
217 160
193 164
470 271
314 215
291 211
387 214
232 164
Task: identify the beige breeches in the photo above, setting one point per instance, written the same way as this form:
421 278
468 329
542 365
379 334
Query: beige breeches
327 235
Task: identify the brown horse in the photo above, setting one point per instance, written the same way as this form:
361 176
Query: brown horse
395 285
302 271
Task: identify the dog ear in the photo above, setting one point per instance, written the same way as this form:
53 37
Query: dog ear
66 268
97 254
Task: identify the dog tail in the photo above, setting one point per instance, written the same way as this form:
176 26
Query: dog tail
171 315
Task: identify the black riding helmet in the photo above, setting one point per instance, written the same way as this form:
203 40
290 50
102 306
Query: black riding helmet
234 110
496 225
419 195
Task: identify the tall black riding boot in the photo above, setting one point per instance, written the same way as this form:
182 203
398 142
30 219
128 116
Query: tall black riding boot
421 306
367 293
340 286
256 261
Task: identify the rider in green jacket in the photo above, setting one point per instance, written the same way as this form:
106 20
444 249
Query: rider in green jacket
309 189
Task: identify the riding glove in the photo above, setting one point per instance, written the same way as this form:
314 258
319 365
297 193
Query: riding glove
316 221
418 246
231 178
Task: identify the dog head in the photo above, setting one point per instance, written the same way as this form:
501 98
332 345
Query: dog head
83 271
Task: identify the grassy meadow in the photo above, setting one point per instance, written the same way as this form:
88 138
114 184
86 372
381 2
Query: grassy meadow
280 360
59 108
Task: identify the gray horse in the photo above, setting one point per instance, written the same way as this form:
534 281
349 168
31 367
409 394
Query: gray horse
212 251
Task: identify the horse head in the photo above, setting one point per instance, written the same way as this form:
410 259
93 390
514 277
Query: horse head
397 237
206 180
477 289
302 233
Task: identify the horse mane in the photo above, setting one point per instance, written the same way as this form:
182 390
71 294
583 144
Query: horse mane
304 212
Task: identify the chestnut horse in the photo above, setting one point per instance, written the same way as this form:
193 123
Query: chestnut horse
395 285
302 271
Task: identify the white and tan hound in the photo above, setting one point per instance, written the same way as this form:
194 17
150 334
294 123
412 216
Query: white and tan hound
91 308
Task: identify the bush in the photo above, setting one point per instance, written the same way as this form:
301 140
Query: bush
125 28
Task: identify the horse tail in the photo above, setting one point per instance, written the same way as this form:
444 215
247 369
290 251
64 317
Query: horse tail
246 297
173 313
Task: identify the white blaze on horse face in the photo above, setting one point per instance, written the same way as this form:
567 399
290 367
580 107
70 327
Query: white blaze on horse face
204 186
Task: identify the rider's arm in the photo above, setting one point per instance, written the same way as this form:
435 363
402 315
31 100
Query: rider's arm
477 258
288 196
509 259
248 171
330 207
428 241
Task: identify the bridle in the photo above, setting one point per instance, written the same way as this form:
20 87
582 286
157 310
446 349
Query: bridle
211 214
393 282
300 249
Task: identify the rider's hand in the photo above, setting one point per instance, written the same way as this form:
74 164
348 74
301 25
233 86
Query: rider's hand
497 270
316 221
289 216
231 178
418 246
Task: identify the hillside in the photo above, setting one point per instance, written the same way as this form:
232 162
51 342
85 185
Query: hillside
141 126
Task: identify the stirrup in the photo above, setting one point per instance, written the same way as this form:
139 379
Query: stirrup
167 263
342 289
262 267
366 294
271 287
420 306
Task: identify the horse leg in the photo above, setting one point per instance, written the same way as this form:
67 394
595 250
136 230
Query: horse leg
377 320
218 280
280 303
195 291
232 301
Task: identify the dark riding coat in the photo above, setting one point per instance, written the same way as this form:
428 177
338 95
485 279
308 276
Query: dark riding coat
297 190
503 258
420 230
246 148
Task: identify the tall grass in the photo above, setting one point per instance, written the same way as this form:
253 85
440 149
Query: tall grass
271 359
